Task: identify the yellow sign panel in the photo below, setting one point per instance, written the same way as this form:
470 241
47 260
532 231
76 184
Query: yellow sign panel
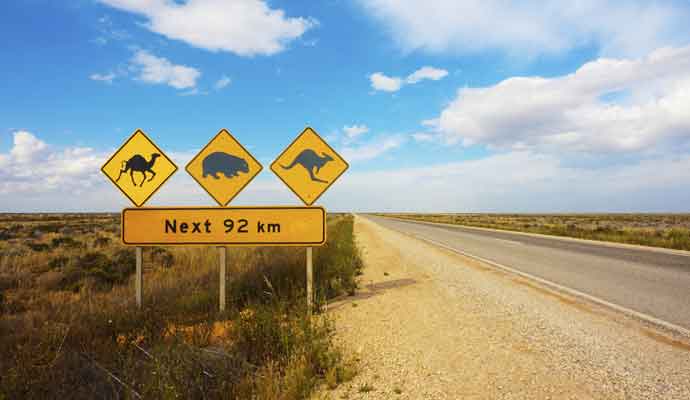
139 168
240 226
309 166
223 168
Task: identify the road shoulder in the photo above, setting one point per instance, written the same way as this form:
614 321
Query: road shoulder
430 324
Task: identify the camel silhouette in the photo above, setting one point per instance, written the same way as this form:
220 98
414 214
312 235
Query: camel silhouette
138 163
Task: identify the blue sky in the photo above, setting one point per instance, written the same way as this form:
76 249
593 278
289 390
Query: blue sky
440 105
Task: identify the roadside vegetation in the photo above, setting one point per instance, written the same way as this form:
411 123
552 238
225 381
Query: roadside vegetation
69 327
659 230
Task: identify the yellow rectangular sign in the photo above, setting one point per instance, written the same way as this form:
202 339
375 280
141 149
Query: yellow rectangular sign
233 226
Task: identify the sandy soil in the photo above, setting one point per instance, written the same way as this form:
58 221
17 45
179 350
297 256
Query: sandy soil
430 324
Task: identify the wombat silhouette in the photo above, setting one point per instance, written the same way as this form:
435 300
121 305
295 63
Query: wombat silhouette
138 163
226 163
309 160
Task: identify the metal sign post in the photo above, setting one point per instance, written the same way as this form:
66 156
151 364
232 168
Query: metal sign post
223 168
138 168
221 255
139 277
310 282
309 166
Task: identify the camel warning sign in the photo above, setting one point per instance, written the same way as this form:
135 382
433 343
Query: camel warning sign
139 168
309 166
223 168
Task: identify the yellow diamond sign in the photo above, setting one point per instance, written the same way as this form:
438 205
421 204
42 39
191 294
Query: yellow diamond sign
309 166
223 168
139 168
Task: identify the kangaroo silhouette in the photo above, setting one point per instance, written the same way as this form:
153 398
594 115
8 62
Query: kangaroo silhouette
310 161
138 163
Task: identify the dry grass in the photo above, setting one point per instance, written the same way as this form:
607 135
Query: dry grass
659 230
69 328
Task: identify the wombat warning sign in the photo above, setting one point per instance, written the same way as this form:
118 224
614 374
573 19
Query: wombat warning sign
223 168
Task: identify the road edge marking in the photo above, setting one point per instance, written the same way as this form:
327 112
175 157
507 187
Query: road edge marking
668 326
682 253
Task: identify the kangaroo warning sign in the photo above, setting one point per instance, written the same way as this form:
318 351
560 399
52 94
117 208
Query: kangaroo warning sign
223 168
309 166
139 168
235 226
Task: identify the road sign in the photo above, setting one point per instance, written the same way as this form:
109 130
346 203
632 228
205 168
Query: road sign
309 166
139 168
223 168
239 226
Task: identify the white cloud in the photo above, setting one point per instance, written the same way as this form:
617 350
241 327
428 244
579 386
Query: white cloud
518 182
27 147
243 27
355 131
385 83
109 32
427 72
222 83
422 137
37 177
573 113
32 167
193 92
373 149
108 78
159 70
380 81
532 27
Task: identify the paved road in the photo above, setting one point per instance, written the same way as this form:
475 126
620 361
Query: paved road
650 282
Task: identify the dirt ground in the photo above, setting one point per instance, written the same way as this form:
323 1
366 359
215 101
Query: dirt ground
430 324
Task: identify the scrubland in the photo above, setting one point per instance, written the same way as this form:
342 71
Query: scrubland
69 327
659 230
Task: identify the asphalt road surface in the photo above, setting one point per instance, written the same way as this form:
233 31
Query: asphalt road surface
646 281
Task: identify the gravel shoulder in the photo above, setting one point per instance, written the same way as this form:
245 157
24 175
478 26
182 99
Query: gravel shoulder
431 324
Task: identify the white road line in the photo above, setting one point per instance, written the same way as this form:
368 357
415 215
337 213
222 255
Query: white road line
510 241
553 285
683 253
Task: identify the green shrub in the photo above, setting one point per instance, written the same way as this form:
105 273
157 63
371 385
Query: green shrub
38 247
162 257
65 241
58 262
103 271
125 260
338 262
101 242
